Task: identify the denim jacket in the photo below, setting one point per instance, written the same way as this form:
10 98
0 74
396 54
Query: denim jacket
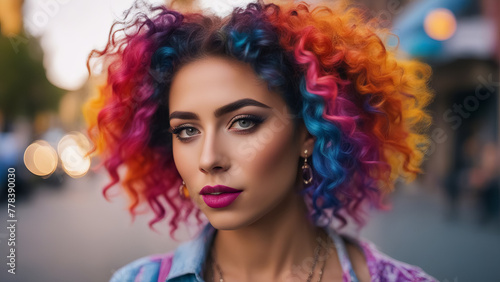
186 263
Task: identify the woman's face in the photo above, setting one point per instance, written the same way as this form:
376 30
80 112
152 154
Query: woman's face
230 130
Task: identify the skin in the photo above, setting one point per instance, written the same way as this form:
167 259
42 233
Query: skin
267 221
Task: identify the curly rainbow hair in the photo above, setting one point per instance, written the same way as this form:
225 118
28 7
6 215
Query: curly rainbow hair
364 106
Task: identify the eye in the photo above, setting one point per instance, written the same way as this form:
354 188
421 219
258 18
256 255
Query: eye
189 132
246 122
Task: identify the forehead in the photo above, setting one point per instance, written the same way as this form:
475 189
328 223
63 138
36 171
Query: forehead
215 81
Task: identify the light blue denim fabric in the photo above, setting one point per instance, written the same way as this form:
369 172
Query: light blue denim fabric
187 265
188 261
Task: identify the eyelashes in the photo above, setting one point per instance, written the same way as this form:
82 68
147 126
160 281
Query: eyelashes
254 120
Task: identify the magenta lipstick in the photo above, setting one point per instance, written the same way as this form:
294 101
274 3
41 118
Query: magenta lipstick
219 196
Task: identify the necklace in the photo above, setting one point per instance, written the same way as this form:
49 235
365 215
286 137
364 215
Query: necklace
309 277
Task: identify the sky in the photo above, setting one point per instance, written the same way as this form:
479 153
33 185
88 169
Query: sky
70 29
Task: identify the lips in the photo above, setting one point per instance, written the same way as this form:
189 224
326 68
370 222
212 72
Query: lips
219 196
218 189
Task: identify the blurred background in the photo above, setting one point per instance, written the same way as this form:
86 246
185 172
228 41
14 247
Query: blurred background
447 222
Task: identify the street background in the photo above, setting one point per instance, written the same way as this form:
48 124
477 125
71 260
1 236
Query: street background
447 221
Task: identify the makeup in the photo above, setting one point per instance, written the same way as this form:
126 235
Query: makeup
251 148
219 196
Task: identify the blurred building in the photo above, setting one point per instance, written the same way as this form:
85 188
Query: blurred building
466 106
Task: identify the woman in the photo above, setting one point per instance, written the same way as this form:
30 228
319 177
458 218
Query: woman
268 126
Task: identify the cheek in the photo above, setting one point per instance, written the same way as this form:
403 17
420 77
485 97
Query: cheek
274 161
182 159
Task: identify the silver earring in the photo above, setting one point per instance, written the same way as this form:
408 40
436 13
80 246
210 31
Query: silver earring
307 174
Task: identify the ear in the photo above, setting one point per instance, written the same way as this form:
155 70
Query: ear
306 140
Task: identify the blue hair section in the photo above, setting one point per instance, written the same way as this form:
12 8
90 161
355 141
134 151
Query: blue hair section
327 151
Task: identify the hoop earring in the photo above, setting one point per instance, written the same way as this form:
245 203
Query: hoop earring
307 174
183 191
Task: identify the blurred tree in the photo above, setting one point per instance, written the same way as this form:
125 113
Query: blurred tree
24 87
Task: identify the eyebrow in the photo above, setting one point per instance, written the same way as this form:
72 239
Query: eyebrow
222 110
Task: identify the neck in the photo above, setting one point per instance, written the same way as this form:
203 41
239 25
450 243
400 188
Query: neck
275 247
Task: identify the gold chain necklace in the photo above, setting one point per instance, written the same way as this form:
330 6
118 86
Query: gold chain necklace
309 277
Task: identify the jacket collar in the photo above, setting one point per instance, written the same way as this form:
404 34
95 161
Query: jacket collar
189 257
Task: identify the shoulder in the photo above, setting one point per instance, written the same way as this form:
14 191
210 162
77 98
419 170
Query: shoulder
381 267
146 269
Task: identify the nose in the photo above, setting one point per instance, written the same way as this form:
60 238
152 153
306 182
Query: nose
212 158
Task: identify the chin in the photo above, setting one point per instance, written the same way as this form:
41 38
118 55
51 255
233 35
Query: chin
229 220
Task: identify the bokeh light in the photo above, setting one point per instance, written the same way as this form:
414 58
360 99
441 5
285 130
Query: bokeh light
440 24
72 148
40 158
